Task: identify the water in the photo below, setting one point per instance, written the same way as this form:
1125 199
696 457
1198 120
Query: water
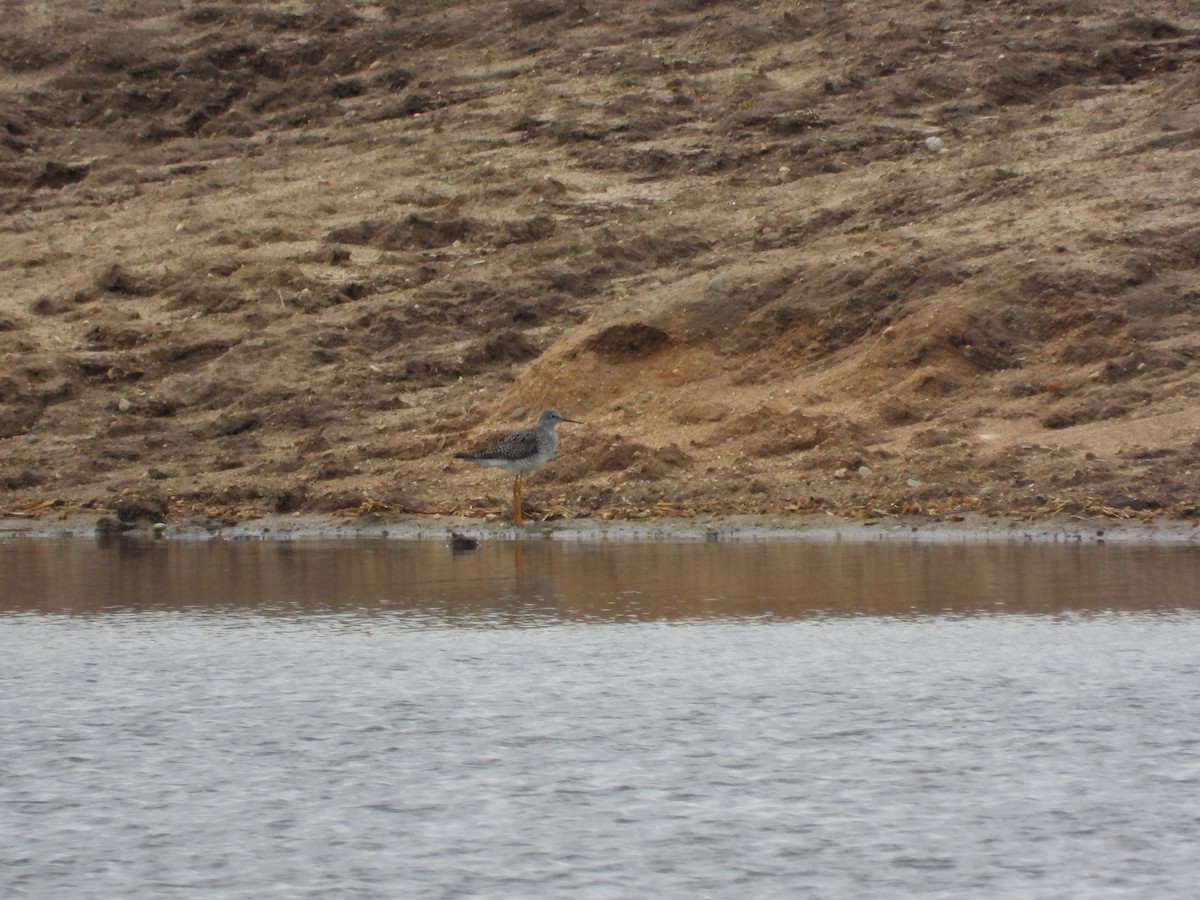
384 719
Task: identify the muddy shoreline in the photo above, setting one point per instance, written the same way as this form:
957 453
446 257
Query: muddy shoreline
781 258
812 528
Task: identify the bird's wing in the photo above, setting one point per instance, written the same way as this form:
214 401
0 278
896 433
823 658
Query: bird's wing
517 445
512 446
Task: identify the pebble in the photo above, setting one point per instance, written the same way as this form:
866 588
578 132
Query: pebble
935 144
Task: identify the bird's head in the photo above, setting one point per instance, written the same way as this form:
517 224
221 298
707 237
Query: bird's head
553 417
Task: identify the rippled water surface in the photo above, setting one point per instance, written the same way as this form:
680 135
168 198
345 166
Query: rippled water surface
390 719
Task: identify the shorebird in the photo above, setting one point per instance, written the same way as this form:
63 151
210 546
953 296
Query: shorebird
521 452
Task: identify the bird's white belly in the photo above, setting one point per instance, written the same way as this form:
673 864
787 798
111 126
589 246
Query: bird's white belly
515 466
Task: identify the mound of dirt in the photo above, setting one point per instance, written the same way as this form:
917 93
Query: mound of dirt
867 257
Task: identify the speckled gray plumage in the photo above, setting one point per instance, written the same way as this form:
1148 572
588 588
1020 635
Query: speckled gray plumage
521 451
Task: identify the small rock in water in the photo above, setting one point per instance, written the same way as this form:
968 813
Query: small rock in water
459 542
107 526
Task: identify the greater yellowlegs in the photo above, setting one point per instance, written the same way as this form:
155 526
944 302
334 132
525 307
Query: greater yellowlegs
521 452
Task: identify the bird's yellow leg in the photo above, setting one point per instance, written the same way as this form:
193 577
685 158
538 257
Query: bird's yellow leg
517 519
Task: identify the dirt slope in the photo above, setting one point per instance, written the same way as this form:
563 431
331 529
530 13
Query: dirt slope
872 257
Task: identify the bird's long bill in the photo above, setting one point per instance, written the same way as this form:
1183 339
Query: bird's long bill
576 421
